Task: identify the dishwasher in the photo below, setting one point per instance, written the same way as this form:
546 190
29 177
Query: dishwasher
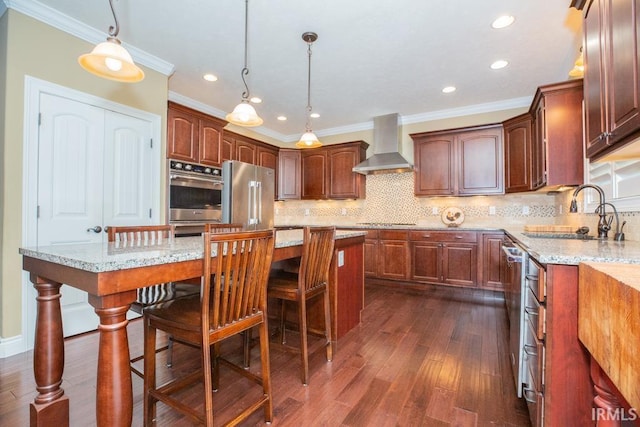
515 261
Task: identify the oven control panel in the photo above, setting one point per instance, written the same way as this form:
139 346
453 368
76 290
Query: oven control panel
176 165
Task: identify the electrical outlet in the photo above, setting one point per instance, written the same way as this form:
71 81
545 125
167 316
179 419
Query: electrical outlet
306 212
525 210
340 258
560 209
277 211
492 210
434 211
343 211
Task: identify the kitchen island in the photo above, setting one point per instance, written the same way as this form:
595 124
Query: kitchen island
111 276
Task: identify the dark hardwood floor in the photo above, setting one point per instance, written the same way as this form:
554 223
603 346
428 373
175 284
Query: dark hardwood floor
432 357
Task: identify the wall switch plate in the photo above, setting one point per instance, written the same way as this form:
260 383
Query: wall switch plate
492 210
525 210
340 258
434 211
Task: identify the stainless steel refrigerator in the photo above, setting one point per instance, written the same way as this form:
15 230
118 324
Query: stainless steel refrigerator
247 195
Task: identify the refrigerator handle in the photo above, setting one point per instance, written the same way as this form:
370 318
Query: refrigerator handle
252 203
259 202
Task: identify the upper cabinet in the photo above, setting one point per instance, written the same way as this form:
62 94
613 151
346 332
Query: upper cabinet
612 74
466 161
517 153
322 173
557 147
193 136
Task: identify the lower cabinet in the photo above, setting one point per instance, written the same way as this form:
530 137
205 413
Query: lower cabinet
447 257
393 254
493 268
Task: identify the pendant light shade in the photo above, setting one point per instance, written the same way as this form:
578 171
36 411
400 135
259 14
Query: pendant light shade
244 114
308 138
110 60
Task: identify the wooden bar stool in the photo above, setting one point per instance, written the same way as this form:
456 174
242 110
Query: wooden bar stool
311 281
232 300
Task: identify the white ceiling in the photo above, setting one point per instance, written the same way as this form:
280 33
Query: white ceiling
372 57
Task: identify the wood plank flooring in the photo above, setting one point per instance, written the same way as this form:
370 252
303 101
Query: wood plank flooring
432 357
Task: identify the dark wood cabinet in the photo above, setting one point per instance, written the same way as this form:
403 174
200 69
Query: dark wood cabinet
245 151
343 182
371 253
324 173
517 153
445 257
493 268
466 161
557 147
289 174
393 254
612 74
193 136
314 174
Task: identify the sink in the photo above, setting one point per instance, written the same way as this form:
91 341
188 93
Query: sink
574 236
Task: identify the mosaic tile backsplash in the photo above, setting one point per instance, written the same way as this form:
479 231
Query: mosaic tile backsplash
390 199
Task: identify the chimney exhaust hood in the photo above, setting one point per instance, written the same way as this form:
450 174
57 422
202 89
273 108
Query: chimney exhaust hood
387 145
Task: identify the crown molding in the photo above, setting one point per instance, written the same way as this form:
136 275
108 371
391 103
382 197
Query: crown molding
62 22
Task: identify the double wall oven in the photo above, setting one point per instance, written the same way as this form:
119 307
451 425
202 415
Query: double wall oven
194 196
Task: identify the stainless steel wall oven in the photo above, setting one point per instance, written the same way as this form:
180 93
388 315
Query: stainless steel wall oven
194 196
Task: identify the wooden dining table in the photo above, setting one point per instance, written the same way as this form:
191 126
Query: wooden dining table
111 275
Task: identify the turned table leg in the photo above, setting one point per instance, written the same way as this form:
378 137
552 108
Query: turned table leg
114 400
51 406
607 410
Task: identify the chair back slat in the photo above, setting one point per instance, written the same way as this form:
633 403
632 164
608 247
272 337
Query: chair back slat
237 287
317 251
215 227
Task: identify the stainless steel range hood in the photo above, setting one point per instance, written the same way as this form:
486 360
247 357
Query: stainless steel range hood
387 148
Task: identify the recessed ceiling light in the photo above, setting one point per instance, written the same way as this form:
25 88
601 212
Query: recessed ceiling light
256 100
503 21
210 77
449 89
282 118
314 115
499 64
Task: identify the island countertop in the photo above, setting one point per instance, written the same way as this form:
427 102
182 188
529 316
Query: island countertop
102 257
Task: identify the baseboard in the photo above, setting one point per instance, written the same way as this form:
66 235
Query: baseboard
12 346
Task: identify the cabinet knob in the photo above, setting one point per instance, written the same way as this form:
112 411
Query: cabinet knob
458 237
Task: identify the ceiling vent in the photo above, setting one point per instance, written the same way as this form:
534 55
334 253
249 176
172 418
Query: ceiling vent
387 148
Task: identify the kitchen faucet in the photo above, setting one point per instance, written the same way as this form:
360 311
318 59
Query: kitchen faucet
603 225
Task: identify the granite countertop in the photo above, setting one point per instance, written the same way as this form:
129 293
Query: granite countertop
101 257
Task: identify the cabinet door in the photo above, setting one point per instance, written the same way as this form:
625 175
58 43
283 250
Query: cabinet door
314 174
210 133
245 151
517 154
426 262
182 136
227 148
538 149
459 263
434 163
623 69
393 256
481 162
289 174
269 159
594 85
492 261
370 257
343 182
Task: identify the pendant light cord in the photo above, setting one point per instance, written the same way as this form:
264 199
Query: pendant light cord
245 70
308 127
113 31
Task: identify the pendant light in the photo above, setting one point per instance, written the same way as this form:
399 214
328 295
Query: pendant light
244 114
110 59
308 138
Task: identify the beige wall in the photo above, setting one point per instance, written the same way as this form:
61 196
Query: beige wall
35 49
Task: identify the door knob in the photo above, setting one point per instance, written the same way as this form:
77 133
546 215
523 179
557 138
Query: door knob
95 229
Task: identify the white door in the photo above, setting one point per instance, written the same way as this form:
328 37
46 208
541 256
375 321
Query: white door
94 170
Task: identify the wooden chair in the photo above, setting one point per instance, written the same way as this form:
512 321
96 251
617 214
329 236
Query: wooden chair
232 300
150 235
311 281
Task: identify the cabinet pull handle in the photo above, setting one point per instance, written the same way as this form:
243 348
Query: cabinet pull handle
530 350
531 311
527 391
458 237
426 235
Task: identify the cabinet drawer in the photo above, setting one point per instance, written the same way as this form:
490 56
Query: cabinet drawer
371 234
392 234
445 236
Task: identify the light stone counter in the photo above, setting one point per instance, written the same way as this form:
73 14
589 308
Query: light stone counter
101 257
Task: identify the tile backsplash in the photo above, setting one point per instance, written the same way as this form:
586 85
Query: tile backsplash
390 199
